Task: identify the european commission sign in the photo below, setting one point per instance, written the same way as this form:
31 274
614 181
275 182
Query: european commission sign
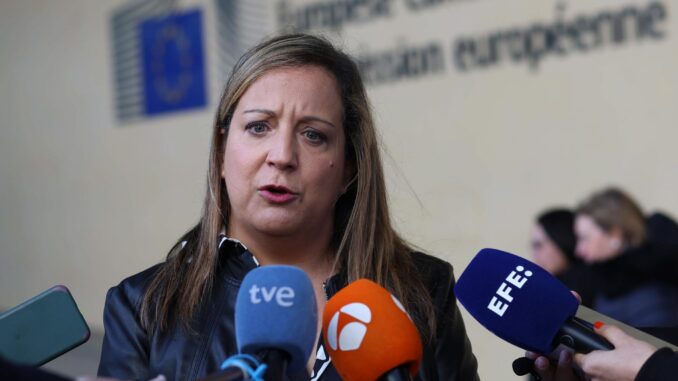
159 61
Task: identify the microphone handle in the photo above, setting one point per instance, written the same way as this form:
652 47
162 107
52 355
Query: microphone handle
276 360
580 337
228 374
522 366
401 373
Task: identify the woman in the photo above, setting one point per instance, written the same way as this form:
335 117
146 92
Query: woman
636 280
553 244
294 178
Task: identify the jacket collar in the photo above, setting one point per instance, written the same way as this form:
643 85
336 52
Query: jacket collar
235 261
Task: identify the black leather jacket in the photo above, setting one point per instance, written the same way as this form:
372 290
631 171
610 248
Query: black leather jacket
661 366
129 352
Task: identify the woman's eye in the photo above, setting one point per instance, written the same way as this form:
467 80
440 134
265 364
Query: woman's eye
314 136
256 128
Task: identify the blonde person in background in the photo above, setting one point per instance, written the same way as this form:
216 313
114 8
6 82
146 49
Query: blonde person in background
635 279
634 267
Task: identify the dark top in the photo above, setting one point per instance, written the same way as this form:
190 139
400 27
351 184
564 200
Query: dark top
129 352
18 372
661 366
579 277
640 287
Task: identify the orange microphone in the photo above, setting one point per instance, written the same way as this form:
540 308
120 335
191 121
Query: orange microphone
369 335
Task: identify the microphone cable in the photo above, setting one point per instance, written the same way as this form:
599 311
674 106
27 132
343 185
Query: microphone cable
251 367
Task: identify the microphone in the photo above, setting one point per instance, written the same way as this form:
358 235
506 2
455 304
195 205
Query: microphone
369 335
523 365
276 319
523 304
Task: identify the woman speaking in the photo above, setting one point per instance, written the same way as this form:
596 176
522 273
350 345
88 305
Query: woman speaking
295 178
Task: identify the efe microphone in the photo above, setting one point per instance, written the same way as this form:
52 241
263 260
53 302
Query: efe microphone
523 304
369 335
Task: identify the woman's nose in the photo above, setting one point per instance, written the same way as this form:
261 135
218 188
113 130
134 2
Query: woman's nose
282 152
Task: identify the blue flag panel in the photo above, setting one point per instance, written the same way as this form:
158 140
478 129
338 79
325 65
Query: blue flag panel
173 63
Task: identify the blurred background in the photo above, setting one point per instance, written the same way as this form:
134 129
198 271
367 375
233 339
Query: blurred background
489 111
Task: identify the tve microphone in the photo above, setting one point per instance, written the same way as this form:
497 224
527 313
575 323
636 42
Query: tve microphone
523 304
276 318
369 335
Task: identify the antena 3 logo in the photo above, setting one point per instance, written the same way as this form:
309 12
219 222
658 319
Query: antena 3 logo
351 335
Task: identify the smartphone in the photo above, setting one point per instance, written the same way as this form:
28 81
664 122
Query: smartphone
42 328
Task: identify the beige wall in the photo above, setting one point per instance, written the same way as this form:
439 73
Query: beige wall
471 156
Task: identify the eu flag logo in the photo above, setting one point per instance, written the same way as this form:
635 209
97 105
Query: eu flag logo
173 63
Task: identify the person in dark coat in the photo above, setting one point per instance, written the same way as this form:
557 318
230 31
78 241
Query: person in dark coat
635 274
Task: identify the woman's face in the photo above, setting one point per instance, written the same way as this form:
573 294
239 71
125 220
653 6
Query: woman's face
593 243
284 162
546 253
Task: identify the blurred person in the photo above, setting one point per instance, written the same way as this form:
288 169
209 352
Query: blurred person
635 279
662 229
553 244
294 178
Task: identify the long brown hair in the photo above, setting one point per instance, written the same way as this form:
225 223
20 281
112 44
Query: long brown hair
364 242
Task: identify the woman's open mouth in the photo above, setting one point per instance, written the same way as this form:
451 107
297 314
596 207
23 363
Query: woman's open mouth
277 194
